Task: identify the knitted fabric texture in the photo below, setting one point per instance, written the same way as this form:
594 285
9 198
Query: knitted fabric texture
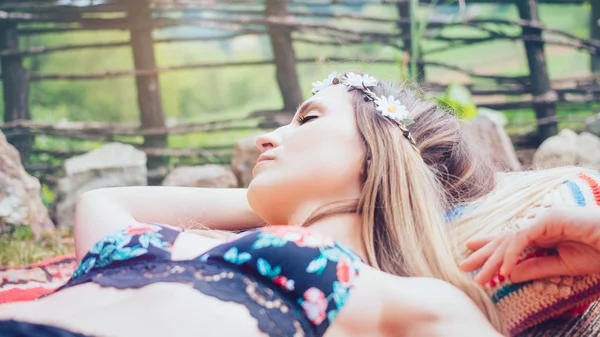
525 305
586 324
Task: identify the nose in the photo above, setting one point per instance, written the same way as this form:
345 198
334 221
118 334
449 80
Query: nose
268 140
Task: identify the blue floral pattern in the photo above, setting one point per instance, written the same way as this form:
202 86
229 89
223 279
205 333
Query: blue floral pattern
308 270
137 241
315 271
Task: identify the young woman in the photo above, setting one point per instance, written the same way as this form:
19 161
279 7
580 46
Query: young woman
354 190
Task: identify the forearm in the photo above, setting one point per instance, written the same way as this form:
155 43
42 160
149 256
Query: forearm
215 208
100 212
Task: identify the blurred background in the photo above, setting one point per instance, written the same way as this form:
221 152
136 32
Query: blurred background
101 93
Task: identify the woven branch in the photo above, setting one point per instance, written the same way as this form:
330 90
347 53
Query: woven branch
45 50
190 4
150 152
462 42
388 39
291 22
100 131
528 103
148 72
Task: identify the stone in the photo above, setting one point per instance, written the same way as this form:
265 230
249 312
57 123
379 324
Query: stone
245 153
20 193
588 151
488 133
592 125
556 151
215 176
112 165
495 115
569 149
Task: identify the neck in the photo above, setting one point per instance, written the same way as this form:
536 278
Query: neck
344 228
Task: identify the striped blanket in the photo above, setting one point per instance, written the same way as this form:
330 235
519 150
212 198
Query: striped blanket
27 283
526 305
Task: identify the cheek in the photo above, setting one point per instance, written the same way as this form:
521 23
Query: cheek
326 157
314 164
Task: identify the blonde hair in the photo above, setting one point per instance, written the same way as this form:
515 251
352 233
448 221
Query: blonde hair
406 192
510 198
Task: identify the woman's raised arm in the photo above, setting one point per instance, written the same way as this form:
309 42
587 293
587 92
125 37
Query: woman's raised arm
100 212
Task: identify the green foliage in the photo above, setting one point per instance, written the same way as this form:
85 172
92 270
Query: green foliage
47 196
17 232
18 245
458 98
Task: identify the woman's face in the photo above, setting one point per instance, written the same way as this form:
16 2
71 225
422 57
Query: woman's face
314 160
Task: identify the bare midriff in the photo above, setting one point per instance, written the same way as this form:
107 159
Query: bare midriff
160 309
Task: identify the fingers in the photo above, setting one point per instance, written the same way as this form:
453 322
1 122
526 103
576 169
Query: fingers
492 265
537 268
521 240
478 243
478 258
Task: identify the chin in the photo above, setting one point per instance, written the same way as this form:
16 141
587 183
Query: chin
267 200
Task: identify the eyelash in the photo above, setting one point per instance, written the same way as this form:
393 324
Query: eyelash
305 119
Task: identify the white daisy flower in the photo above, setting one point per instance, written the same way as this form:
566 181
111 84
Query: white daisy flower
392 108
356 80
320 85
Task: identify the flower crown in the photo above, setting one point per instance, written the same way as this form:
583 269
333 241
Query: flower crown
388 106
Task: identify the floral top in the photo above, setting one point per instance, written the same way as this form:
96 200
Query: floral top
312 272
313 269
137 242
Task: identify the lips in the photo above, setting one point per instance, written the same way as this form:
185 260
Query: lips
262 158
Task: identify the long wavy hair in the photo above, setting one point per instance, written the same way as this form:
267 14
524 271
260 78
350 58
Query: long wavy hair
406 191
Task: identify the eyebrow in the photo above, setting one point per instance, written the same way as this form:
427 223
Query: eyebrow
304 106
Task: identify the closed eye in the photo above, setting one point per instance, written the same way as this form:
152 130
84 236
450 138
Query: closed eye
305 119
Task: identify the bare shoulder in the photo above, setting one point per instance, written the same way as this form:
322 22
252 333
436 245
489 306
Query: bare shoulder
382 304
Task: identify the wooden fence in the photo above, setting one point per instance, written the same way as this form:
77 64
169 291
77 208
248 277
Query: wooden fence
285 22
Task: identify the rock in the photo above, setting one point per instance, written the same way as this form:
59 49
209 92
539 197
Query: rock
526 158
569 149
20 200
588 151
243 160
112 165
494 115
559 150
201 176
489 134
592 125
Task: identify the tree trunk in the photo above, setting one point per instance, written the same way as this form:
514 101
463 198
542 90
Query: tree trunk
595 34
404 13
15 89
544 97
148 88
285 58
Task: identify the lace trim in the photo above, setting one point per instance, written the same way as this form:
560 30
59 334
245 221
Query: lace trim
276 314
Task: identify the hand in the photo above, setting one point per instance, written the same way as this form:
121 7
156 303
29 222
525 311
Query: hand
573 232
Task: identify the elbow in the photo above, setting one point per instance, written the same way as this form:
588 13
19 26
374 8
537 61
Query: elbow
85 203
97 193
91 212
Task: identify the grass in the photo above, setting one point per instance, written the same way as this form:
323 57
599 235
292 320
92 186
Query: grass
18 246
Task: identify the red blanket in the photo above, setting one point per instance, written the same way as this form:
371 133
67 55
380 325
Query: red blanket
27 283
